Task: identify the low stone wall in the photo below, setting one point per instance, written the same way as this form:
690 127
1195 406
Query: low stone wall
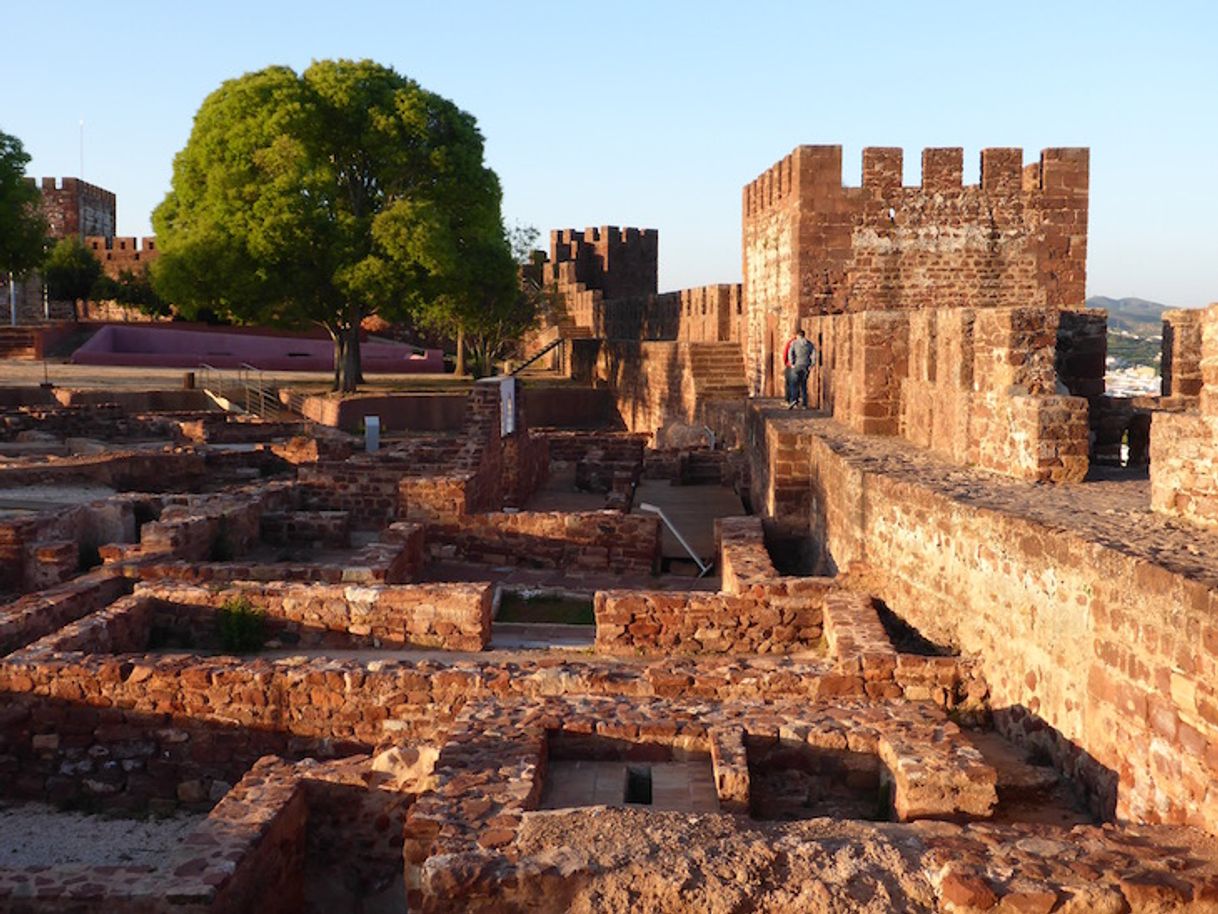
225 429
37 615
369 493
576 541
247 855
630 622
446 616
137 471
744 560
573 446
326 528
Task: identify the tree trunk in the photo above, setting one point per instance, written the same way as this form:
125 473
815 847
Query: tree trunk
336 334
459 366
349 375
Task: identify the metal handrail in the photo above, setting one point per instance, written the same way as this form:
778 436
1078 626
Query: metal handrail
703 568
247 388
558 341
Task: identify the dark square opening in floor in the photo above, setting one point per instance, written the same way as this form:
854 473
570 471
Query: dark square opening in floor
589 770
789 781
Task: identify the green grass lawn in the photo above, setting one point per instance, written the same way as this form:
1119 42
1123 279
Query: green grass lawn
551 608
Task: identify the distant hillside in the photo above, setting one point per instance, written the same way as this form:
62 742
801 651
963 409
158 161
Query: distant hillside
1133 315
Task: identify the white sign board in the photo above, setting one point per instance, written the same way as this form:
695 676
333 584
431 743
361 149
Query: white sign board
372 433
507 406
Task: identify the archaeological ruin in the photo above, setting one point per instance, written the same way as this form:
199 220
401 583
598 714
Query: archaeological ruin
617 631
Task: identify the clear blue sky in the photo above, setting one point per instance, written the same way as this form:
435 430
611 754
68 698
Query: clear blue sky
656 113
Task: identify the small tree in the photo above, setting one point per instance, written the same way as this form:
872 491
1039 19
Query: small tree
23 230
495 302
71 271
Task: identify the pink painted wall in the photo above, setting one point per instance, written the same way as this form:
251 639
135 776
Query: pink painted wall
168 347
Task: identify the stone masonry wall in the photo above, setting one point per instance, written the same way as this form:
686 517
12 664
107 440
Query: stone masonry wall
1181 353
977 386
636 622
451 616
1184 445
1100 657
662 387
812 246
576 541
119 254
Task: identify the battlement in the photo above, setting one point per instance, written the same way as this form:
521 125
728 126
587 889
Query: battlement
122 244
71 186
814 246
123 253
75 207
620 262
816 171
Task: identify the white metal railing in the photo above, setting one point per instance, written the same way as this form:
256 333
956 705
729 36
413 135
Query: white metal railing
703 567
244 387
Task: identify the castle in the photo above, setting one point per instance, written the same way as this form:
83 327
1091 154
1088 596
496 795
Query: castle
75 207
947 644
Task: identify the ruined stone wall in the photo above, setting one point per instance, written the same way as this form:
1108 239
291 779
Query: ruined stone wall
447 616
576 541
37 615
633 622
812 246
125 470
1184 445
367 492
1100 657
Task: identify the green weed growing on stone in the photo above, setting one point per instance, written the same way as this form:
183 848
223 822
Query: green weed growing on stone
240 626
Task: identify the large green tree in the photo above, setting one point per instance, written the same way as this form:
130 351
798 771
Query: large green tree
325 197
23 231
71 271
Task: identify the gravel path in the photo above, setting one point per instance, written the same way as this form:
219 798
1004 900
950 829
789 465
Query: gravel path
35 834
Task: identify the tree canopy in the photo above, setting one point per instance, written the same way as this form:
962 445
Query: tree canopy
325 197
71 270
23 231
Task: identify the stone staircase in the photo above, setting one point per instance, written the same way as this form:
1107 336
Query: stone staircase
701 468
17 343
718 371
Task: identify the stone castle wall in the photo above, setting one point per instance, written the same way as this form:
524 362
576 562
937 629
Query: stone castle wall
75 207
1093 652
814 247
975 385
128 254
1184 445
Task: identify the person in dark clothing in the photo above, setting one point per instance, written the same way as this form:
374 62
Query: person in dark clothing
799 356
